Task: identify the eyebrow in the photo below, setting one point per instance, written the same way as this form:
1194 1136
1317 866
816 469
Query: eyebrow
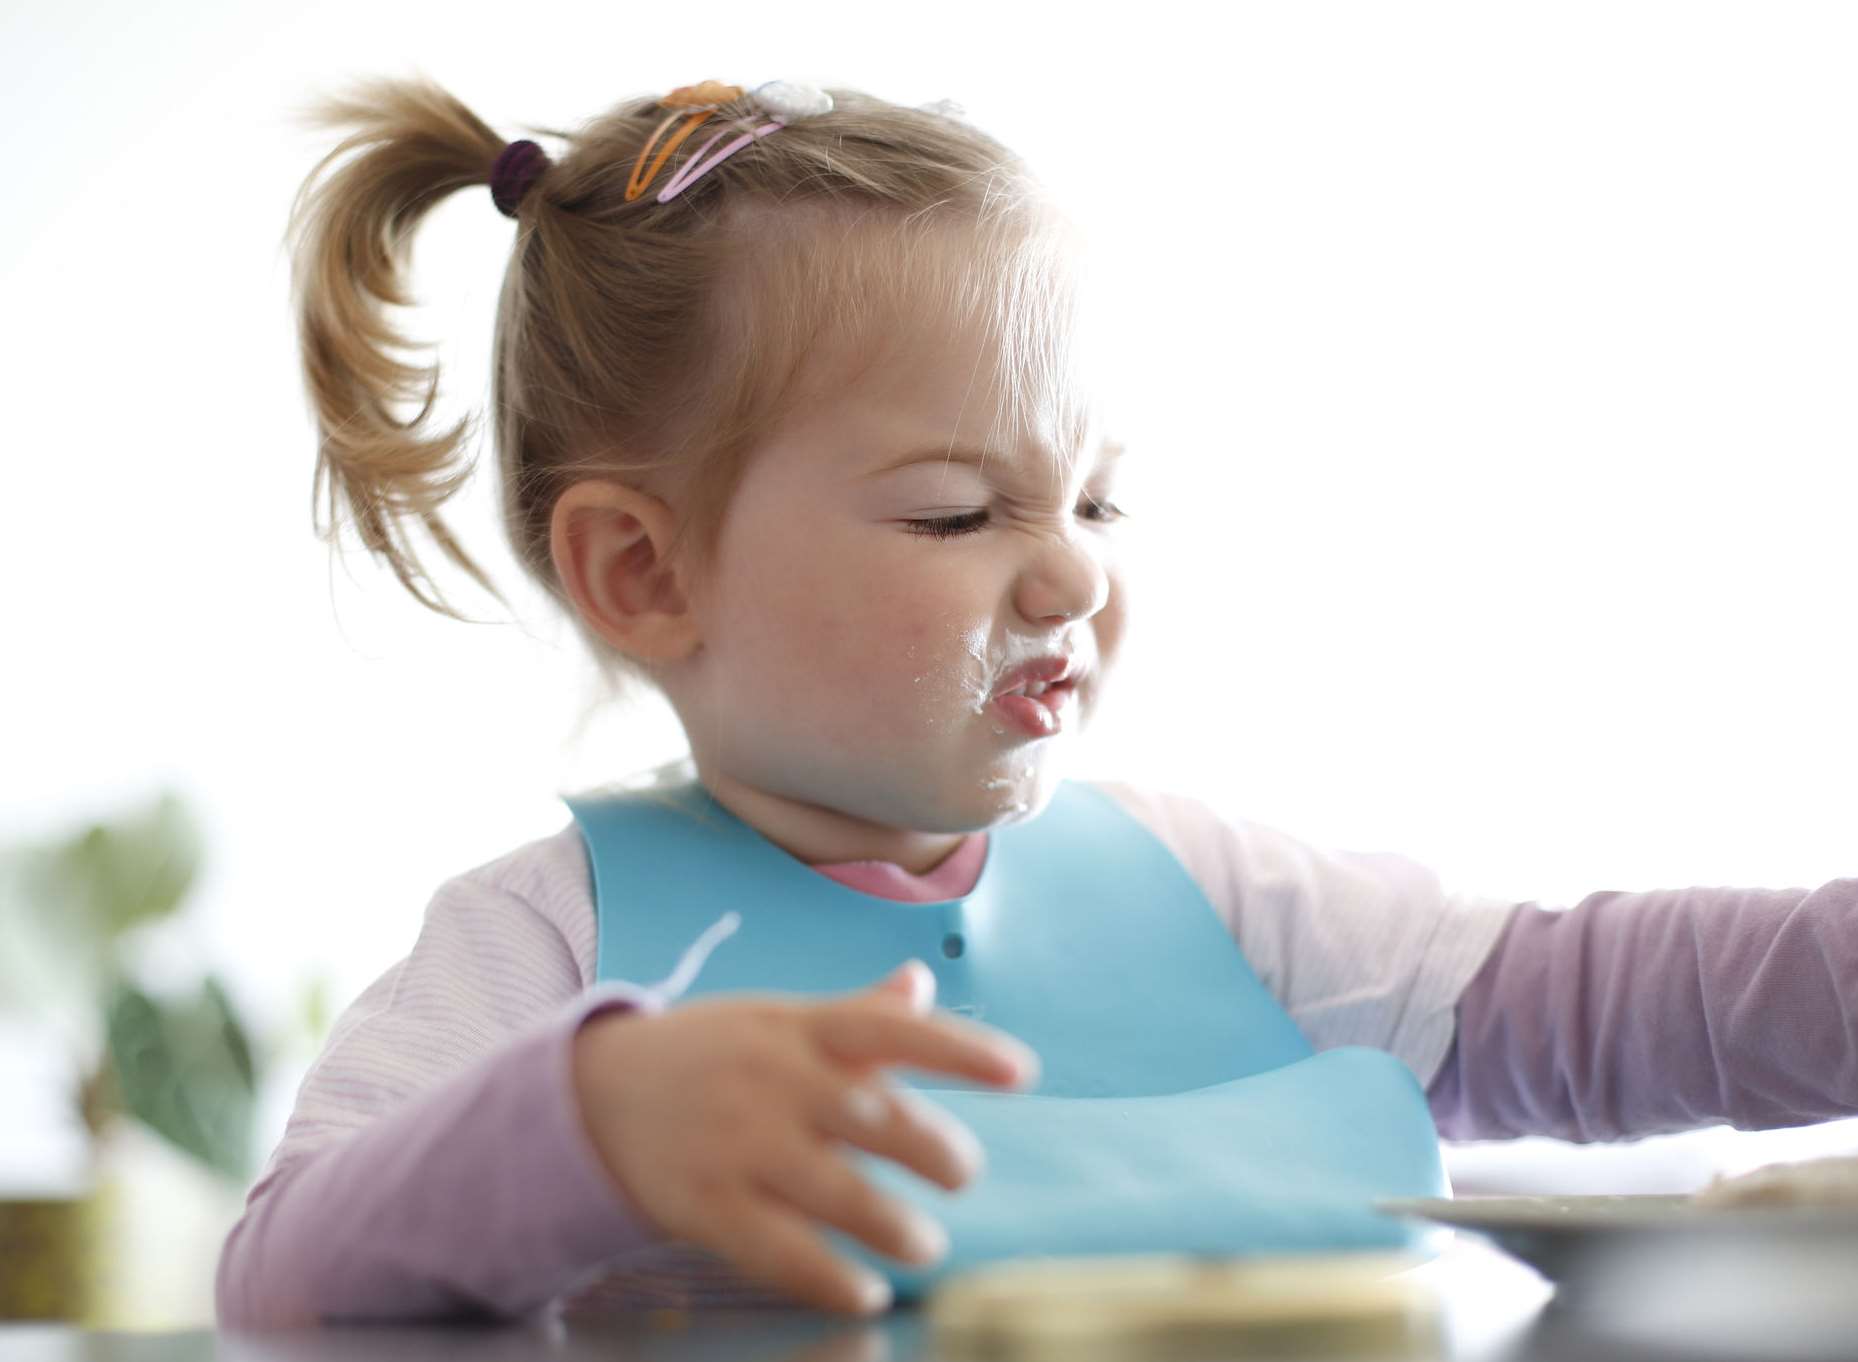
1107 452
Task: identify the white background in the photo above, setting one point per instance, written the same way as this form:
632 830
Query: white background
1492 373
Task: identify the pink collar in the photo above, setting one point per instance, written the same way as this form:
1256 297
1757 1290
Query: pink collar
950 879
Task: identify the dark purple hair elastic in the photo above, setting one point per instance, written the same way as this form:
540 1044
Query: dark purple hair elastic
515 170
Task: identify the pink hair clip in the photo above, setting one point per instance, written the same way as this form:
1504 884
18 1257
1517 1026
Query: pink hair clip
784 101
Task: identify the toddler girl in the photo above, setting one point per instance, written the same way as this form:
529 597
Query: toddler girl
794 418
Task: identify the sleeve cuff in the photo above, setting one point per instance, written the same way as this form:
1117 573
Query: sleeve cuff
593 1216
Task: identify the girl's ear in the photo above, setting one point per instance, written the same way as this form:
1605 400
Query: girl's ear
608 543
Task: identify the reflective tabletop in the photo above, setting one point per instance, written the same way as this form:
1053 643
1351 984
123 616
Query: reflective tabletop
1490 1308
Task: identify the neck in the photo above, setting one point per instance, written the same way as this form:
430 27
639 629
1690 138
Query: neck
817 835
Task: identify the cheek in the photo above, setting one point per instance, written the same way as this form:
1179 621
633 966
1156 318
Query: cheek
927 645
773 625
1110 627
818 618
1113 619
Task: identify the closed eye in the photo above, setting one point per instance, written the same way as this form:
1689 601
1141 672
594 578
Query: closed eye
952 526
949 526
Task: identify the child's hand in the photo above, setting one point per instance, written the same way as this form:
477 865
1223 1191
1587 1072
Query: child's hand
720 1120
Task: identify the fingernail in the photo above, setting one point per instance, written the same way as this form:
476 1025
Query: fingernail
968 1149
928 1241
1025 1059
873 1293
866 1107
922 985
965 1144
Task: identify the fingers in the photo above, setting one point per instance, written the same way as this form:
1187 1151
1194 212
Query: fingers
815 1179
892 1123
859 1036
772 1242
913 982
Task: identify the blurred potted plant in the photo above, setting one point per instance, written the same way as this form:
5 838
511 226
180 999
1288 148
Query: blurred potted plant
76 914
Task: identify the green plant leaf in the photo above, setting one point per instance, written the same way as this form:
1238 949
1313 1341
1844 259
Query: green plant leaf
314 1010
51 969
117 875
184 1068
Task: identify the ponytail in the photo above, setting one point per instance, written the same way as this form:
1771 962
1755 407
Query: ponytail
350 236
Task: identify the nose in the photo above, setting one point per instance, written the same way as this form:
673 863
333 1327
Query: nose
1064 581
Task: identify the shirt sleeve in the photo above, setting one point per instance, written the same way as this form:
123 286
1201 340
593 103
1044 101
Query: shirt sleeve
1636 1014
1360 948
436 1162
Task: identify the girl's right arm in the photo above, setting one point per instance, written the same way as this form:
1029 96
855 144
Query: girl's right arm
479 1196
435 1162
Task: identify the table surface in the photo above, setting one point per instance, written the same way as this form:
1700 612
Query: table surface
1492 1309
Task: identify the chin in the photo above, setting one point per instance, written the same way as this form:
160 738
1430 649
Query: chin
1011 800
1012 788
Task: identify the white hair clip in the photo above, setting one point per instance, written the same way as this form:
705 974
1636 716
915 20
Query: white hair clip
791 100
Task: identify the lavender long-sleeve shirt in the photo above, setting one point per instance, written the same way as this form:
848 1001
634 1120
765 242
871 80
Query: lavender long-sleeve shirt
437 1163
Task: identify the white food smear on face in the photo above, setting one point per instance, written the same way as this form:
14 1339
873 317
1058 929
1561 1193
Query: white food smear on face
974 643
928 705
973 685
1017 780
969 685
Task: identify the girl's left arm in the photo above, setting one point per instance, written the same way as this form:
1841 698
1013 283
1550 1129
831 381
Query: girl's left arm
1633 1014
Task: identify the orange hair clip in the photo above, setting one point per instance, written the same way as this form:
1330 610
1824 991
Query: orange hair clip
697 103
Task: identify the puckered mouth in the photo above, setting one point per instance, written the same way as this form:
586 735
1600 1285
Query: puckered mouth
1037 676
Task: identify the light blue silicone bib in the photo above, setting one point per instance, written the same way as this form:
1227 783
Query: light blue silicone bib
1179 1109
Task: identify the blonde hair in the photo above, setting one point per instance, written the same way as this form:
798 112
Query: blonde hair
655 343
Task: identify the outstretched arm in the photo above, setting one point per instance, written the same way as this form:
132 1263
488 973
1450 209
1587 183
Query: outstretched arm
1637 1014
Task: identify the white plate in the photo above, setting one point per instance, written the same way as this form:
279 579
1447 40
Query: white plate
1554 1233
